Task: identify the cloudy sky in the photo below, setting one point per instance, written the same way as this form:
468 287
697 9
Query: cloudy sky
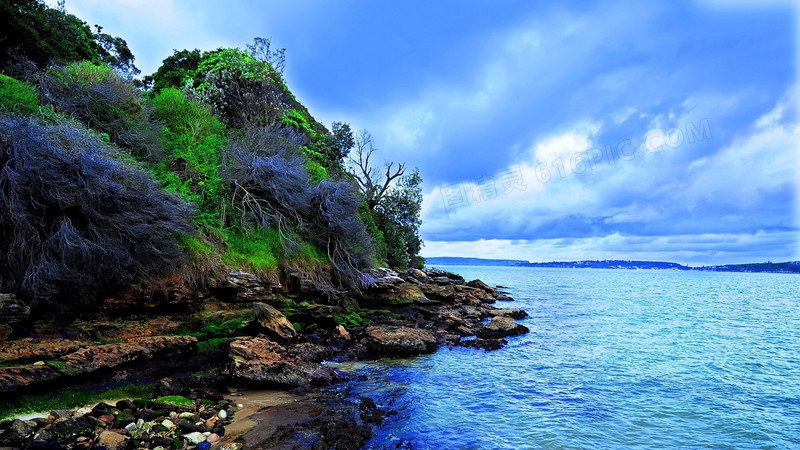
543 131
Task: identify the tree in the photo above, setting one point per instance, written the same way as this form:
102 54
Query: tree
393 201
372 183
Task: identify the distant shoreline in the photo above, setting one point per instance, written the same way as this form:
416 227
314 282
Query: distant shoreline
767 267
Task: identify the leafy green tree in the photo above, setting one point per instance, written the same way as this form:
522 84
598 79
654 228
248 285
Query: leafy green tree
176 71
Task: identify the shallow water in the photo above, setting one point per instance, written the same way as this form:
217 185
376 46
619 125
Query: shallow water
615 358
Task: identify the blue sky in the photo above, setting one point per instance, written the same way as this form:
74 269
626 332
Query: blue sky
543 130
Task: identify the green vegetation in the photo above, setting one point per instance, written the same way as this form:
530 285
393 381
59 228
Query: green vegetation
173 400
208 165
72 398
17 97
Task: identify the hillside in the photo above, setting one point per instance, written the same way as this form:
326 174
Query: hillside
210 165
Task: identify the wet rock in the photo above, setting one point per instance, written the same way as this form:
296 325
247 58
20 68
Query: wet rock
13 310
484 344
501 327
264 362
437 273
401 341
512 313
111 356
23 430
13 378
273 323
243 287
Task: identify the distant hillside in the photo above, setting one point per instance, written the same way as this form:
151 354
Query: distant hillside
611 264
454 261
784 267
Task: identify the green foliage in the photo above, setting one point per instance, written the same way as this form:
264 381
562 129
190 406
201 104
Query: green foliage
397 216
69 399
351 319
176 71
213 345
173 400
193 139
31 30
17 97
257 250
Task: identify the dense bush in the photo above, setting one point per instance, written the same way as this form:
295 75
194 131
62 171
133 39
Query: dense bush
104 102
349 247
194 140
75 221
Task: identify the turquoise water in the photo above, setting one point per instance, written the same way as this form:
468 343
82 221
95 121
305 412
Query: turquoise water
615 359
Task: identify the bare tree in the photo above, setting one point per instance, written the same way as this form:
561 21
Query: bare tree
372 182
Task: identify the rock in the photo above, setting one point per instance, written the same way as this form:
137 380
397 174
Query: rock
485 344
111 356
195 438
168 424
13 378
310 352
204 446
438 292
222 414
263 362
5 331
42 435
244 287
417 274
13 310
512 313
80 412
28 349
436 273
340 332
189 427
273 323
131 427
501 327
71 429
124 405
23 430
175 403
402 341
108 418
112 441
209 393
212 438
482 286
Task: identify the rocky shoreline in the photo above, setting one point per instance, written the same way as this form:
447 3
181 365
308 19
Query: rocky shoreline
243 333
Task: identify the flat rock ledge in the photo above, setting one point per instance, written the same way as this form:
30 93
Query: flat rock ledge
400 341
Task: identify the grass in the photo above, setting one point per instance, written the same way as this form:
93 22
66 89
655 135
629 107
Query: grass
170 400
16 96
70 399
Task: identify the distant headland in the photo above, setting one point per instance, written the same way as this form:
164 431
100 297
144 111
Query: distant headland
780 267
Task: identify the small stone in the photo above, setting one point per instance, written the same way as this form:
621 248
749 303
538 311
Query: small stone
203 446
168 424
212 438
111 440
186 415
195 437
107 418
139 423
222 415
159 448
38 363
131 427
240 406
82 412
42 435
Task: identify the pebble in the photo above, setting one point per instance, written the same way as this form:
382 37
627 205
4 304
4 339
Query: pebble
222 414
139 423
195 437
38 363
82 412
186 415
131 427
203 446
212 438
168 424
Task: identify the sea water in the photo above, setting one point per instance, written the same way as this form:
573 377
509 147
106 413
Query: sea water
614 359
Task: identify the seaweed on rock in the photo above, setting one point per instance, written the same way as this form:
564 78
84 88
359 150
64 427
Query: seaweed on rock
76 222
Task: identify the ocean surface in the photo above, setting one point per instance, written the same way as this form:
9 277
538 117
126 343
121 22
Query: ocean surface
614 359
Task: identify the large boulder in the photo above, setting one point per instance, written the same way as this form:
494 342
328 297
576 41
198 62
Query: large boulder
400 341
136 350
12 312
38 350
244 287
260 361
501 327
512 313
438 291
273 323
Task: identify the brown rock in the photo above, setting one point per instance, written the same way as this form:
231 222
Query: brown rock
13 378
32 349
266 363
501 327
438 291
112 441
512 313
135 350
273 323
402 341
